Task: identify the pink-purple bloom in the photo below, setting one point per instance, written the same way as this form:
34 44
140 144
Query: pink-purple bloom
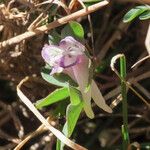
69 57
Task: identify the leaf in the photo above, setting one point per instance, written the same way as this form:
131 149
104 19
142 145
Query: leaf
74 109
75 95
145 15
56 96
73 29
133 13
72 115
53 37
61 79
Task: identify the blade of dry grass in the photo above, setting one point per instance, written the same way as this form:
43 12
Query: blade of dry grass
140 61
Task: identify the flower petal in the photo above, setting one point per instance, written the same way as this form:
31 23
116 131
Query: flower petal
87 103
51 54
69 61
98 98
56 69
81 74
69 72
71 46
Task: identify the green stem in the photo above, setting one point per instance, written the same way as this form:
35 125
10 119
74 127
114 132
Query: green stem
125 132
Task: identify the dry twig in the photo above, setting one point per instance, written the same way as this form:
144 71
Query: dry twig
54 24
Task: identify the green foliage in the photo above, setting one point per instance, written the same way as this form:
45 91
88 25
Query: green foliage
145 15
73 110
56 96
142 11
58 79
72 114
73 29
75 95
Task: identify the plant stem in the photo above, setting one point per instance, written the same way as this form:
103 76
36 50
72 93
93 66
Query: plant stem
125 132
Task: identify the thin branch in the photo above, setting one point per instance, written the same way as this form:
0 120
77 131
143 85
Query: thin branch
54 24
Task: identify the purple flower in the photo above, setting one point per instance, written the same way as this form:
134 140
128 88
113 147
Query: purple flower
69 57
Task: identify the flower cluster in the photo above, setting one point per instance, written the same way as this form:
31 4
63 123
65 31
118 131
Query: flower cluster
69 57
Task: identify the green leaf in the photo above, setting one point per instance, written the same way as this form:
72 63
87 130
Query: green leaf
53 37
145 15
133 13
75 95
61 79
72 115
56 96
73 29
